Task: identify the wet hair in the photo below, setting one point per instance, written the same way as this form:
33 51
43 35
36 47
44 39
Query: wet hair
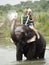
25 11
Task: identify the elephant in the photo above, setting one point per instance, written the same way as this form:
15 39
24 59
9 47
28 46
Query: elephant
21 34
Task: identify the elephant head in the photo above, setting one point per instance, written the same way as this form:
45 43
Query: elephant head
22 33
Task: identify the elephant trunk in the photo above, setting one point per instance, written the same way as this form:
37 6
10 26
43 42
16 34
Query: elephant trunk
13 26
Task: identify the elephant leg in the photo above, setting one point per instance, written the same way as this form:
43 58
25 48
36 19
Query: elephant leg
42 54
31 53
19 54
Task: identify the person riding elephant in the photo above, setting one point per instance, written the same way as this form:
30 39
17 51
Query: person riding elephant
28 20
24 16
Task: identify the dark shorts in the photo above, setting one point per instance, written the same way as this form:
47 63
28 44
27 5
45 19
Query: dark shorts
30 24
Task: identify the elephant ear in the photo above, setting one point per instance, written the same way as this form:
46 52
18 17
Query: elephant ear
32 39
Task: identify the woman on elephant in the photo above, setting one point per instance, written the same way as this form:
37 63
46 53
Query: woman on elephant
30 22
24 16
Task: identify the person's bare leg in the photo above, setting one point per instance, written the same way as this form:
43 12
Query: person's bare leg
32 39
35 31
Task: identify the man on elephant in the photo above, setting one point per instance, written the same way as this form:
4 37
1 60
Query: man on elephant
28 20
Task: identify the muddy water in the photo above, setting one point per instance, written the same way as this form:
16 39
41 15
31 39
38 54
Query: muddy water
8 57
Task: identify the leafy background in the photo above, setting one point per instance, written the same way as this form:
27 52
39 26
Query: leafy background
40 12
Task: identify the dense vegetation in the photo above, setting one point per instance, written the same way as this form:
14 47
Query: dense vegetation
40 13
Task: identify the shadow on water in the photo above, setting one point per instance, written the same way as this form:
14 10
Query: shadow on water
36 62
8 57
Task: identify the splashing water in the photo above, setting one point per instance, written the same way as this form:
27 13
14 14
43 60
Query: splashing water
12 15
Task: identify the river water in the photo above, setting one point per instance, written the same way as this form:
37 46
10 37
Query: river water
8 57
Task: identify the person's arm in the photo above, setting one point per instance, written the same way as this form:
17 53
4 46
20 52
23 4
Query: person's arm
27 20
32 19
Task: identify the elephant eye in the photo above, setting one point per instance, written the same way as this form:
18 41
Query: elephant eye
25 34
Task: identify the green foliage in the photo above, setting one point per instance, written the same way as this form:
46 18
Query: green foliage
40 13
